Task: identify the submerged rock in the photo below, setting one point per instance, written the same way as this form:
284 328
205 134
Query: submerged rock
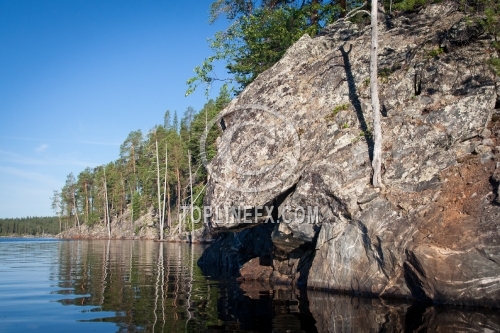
296 153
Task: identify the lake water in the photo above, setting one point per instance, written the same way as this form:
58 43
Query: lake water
144 286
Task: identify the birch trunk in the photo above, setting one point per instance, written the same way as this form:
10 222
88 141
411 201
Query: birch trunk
124 193
179 198
169 216
108 223
159 191
191 194
165 186
76 210
377 131
60 223
86 202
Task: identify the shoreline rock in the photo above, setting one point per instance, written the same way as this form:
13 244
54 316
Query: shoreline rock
434 233
122 228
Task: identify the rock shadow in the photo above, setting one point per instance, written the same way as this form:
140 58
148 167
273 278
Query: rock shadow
354 98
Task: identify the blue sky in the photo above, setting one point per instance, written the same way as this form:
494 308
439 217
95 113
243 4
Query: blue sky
77 76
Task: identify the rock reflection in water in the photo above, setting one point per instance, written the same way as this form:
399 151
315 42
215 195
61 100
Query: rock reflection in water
258 307
157 287
314 311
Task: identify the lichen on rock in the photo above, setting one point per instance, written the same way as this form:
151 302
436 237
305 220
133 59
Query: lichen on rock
299 136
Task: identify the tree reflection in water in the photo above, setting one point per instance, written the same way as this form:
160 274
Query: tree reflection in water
157 287
148 286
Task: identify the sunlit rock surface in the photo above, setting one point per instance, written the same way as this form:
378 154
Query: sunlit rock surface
299 137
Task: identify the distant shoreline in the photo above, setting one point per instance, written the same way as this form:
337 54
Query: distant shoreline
29 236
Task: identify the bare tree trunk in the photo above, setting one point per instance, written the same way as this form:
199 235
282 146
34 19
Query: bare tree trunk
76 210
131 205
178 197
86 201
133 166
108 223
124 193
191 194
169 217
159 191
377 131
91 203
165 186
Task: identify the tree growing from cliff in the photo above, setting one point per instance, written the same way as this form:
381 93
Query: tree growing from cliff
377 130
259 35
375 102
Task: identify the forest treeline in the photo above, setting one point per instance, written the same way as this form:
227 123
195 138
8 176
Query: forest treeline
31 225
151 172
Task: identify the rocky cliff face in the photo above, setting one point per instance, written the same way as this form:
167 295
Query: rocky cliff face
299 137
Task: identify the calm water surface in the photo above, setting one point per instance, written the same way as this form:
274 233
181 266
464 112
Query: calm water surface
144 286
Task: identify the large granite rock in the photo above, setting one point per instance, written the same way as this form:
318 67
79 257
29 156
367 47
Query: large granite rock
300 136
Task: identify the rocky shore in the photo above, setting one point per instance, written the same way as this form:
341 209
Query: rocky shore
300 136
123 228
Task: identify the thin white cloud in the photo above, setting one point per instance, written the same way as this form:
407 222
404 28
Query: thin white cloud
35 177
58 141
42 148
19 159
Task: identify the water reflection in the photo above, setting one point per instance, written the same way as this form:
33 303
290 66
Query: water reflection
143 286
153 287
348 314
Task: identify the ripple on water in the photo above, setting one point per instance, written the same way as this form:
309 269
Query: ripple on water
145 286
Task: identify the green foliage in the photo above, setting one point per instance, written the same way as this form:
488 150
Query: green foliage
132 180
384 73
494 64
337 109
341 107
136 206
435 52
261 31
366 134
202 120
491 18
258 37
410 5
33 226
487 13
